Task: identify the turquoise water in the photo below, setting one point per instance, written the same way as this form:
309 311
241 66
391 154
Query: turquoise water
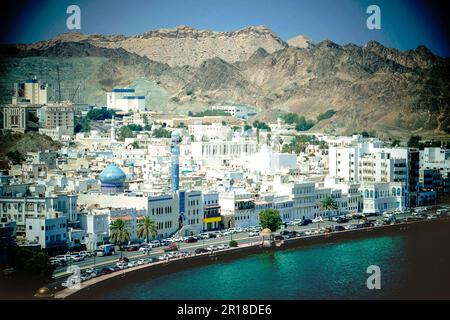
412 265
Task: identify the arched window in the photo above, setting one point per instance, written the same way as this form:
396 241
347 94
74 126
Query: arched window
366 193
371 193
399 191
393 191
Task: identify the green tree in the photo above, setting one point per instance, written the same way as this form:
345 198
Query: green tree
161 133
15 156
146 228
120 232
125 132
135 145
135 127
301 124
270 218
33 264
233 243
395 143
328 204
147 125
82 124
261 125
326 115
100 114
414 142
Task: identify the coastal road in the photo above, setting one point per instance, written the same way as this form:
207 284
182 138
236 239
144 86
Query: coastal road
243 237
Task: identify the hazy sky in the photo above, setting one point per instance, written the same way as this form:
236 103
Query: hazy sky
405 23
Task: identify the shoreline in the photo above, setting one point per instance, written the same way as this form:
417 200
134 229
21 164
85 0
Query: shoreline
94 288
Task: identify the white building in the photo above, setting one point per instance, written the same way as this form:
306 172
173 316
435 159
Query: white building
383 196
125 99
209 132
239 112
47 232
96 225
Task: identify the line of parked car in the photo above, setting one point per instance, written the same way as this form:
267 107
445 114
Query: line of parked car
64 259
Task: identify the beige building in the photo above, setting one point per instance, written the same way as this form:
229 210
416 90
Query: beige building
31 91
17 117
59 117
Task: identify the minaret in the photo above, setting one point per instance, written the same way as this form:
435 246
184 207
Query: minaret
113 132
175 155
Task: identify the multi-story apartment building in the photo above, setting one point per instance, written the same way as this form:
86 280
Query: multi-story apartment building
59 118
20 207
49 232
31 91
212 219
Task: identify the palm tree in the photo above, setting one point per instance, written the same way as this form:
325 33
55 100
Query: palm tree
120 232
146 228
328 204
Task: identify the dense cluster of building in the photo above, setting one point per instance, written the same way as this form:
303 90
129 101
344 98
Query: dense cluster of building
210 174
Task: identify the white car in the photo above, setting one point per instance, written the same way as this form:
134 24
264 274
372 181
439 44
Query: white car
78 258
223 247
155 243
318 219
122 265
212 248
253 234
69 282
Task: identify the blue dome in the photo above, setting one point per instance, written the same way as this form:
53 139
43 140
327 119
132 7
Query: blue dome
112 175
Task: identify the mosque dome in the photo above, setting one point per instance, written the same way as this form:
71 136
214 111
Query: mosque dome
112 175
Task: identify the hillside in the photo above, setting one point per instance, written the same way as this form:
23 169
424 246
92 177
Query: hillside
16 145
373 88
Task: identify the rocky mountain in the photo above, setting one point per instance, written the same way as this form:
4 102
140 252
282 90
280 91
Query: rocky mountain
183 45
372 88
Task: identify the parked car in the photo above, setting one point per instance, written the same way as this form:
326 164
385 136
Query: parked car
200 250
253 234
291 234
339 228
87 254
171 247
134 247
223 246
317 219
305 222
106 270
152 259
212 248
122 265
190 240
342 220
279 237
145 248
155 243
367 225
165 242
77 258
69 282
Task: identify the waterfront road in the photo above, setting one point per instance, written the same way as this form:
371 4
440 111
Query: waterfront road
242 237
